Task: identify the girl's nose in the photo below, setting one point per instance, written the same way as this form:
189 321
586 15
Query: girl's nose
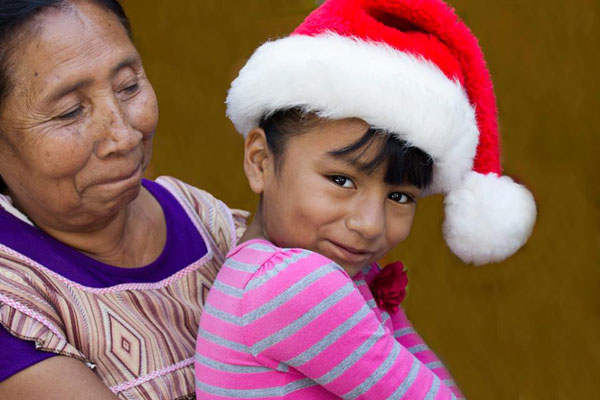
367 219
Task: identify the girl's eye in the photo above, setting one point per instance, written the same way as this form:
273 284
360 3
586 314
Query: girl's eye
74 113
342 181
401 198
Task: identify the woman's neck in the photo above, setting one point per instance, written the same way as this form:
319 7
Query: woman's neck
124 240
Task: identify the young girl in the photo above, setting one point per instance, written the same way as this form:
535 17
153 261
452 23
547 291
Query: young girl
348 122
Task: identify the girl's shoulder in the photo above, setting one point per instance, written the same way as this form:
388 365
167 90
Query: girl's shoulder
264 263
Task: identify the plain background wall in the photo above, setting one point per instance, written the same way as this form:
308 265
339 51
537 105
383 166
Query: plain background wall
527 328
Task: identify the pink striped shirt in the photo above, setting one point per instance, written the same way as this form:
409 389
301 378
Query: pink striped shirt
291 324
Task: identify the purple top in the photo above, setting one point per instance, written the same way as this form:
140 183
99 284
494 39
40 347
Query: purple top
183 246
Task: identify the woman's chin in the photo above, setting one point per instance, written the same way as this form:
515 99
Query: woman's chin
105 201
114 190
123 197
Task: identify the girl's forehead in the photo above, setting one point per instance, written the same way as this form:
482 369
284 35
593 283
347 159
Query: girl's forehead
350 140
333 134
328 143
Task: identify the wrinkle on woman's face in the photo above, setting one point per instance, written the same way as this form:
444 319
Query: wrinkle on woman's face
79 120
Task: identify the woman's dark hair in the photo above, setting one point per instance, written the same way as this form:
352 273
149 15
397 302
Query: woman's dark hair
404 164
15 17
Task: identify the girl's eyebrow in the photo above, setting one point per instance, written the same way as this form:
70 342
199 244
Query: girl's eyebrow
346 158
352 161
354 152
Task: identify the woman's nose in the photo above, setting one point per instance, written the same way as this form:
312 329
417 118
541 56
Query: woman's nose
116 134
367 219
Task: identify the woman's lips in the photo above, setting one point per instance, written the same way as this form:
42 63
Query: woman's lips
125 178
350 255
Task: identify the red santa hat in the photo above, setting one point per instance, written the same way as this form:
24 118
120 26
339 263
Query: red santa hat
413 69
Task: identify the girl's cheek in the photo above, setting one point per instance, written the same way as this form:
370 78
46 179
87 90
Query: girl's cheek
399 229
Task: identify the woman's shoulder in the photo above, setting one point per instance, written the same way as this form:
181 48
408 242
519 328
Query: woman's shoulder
28 298
224 224
7 205
198 199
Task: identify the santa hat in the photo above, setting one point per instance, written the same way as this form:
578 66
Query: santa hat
413 69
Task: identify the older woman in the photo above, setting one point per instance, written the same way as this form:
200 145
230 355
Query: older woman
102 273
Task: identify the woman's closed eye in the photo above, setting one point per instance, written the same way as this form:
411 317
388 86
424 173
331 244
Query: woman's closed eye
401 198
131 88
128 91
342 181
71 114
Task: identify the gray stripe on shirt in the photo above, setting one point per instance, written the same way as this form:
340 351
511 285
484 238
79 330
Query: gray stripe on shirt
352 358
384 316
376 375
449 382
240 266
222 315
223 342
263 247
408 381
238 369
304 320
331 338
227 289
404 331
433 390
418 348
288 293
435 364
261 280
276 391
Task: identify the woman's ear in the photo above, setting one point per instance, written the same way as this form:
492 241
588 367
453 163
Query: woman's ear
258 159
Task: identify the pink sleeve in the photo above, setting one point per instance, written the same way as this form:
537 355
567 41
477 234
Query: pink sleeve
406 335
309 316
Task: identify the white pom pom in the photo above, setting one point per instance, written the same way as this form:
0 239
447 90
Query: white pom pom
488 218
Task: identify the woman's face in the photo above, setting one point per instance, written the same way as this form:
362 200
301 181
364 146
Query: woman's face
76 130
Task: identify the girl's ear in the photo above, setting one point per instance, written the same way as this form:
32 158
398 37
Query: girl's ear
258 159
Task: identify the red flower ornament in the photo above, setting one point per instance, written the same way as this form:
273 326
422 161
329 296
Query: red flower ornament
389 287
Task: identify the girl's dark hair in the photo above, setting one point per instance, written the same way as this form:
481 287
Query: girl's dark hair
404 164
16 18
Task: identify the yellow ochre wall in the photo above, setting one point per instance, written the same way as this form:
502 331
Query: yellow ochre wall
527 328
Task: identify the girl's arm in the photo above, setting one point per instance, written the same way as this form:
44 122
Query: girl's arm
311 317
406 335
403 329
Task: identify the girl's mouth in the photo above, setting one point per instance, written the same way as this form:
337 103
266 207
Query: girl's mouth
350 255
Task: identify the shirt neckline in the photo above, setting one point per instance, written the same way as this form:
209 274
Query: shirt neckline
24 238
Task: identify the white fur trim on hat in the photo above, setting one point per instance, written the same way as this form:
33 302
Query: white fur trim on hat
340 77
488 218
